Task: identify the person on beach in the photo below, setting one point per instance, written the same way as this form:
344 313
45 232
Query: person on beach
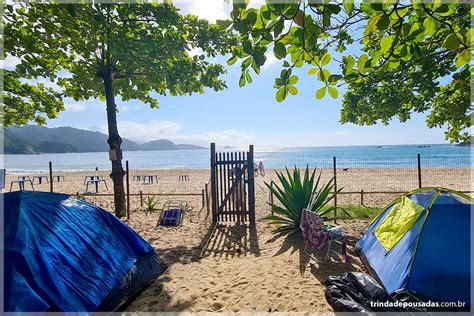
261 169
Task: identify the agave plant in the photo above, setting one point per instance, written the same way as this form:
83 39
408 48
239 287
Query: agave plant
150 204
296 193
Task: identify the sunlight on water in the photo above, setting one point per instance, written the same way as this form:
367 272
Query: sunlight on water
319 157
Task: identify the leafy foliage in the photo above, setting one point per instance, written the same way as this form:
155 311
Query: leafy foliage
104 50
27 102
296 193
406 50
146 46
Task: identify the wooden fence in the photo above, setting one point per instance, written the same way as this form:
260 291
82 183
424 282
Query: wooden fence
232 186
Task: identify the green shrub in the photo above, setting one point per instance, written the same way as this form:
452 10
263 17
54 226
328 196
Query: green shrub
294 193
150 204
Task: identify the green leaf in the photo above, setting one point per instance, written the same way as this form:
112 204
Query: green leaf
251 17
279 27
326 18
325 59
350 62
248 77
333 92
451 42
224 23
281 94
320 93
361 62
247 47
431 25
383 22
312 71
279 50
232 60
242 80
386 43
259 59
293 90
463 58
255 67
348 5
442 9
246 63
293 80
323 75
406 28
377 6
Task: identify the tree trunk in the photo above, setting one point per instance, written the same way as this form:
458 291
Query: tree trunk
114 141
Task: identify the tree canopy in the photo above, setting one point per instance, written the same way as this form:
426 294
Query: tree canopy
395 58
103 51
147 45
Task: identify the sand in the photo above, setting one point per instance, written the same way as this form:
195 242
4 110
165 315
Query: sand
235 268
352 180
238 268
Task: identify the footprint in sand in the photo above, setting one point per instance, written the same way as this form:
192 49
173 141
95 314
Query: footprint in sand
217 306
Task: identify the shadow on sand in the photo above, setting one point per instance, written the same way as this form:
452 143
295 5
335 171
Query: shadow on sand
333 266
230 240
219 240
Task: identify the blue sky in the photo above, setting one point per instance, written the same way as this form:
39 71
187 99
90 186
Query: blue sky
239 116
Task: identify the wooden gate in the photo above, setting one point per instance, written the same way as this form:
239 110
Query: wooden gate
232 186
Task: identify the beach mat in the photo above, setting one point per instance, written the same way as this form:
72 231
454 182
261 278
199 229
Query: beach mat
171 217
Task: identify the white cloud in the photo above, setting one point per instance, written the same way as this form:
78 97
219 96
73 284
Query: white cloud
256 3
144 132
10 62
211 10
75 107
227 137
342 132
271 59
195 51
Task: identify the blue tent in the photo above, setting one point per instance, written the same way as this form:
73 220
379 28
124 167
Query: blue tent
64 254
421 243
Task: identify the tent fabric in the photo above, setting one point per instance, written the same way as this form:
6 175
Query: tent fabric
446 240
64 254
399 220
432 259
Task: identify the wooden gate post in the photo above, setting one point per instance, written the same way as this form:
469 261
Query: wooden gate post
213 183
128 189
335 187
418 158
251 185
207 199
51 177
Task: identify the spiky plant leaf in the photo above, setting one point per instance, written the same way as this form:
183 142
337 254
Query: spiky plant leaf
294 192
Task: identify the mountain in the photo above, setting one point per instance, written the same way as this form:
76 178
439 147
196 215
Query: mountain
164 144
13 144
82 140
38 139
160 144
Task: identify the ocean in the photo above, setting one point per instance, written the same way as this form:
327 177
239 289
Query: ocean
394 156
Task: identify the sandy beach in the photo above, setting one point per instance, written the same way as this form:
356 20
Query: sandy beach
235 268
230 267
174 182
